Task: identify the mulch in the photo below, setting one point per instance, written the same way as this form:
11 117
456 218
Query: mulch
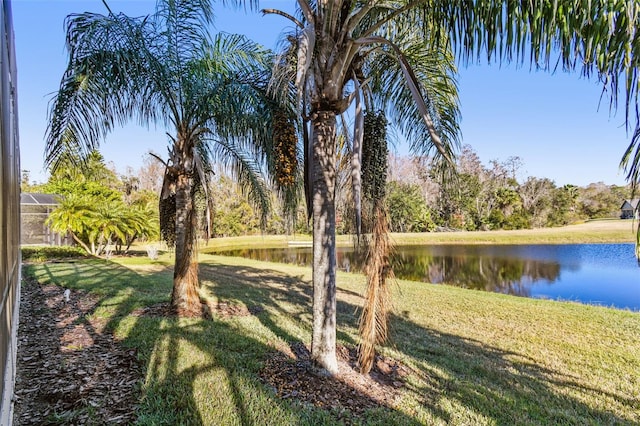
71 371
348 393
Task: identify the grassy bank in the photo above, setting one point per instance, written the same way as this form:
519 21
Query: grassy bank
596 231
475 357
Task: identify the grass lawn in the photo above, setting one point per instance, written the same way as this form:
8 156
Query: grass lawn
475 357
594 231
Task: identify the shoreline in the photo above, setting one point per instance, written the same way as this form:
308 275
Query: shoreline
591 232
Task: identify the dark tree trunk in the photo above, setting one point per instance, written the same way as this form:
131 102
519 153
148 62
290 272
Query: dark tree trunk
185 299
323 344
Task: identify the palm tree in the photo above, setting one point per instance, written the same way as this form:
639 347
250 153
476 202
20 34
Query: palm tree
165 69
74 216
338 43
140 221
94 222
342 58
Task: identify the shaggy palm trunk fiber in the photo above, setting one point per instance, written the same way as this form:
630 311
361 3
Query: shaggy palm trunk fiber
185 299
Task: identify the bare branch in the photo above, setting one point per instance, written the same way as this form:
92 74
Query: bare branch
307 11
284 14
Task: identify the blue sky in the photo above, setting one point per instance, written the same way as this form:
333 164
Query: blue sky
553 122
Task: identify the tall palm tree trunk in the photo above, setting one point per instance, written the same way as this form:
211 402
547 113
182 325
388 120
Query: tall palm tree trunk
184 298
323 343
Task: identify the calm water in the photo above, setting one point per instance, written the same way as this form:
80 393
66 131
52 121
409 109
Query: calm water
603 274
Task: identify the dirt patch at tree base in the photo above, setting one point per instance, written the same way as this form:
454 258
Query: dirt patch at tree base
294 376
208 310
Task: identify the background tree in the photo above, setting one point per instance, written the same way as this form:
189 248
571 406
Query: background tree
408 210
598 200
233 215
535 194
150 174
415 170
94 211
25 181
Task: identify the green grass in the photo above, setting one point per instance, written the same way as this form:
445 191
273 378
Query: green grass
595 231
476 358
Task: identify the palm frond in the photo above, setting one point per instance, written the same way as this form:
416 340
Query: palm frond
307 8
106 83
246 171
432 79
356 156
306 46
283 72
182 26
235 53
291 18
595 38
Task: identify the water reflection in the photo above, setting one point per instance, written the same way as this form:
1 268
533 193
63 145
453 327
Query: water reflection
498 274
606 274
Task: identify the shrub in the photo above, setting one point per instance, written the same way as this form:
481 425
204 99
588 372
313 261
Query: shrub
48 253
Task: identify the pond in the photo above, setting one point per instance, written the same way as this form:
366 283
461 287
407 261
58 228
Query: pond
601 274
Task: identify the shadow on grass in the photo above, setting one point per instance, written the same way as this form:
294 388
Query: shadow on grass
506 387
493 385
198 372
206 372
278 295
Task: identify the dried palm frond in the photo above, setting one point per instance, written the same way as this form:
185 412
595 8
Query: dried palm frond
374 319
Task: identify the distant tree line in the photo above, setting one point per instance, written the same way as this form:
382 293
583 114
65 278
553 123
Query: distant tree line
424 198
420 199
487 197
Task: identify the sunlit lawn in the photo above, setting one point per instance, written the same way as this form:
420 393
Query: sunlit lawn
476 357
595 231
